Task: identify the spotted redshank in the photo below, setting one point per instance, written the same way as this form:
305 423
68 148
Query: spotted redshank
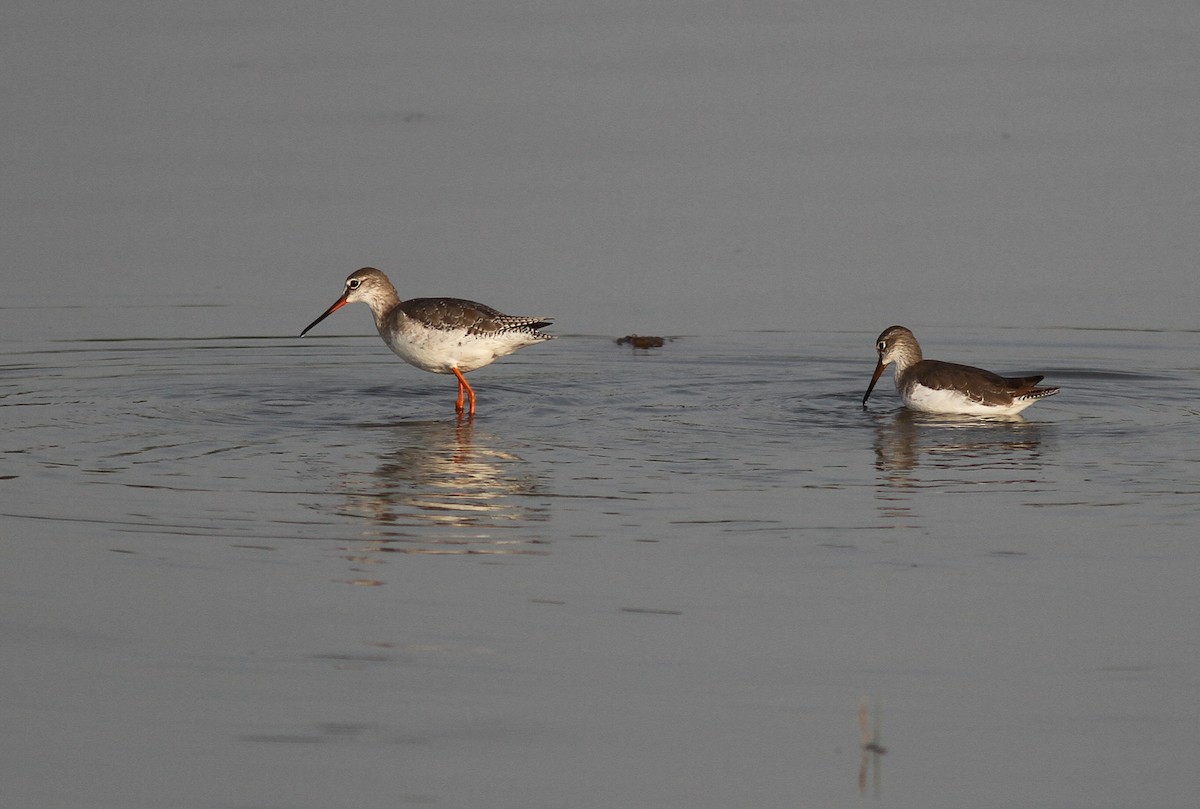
442 335
933 386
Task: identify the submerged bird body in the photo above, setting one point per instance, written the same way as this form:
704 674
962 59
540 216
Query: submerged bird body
440 335
932 386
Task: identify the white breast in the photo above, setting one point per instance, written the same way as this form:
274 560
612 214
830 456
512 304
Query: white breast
439 350
933 400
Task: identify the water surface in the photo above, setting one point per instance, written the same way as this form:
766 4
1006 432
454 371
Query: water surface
640 578
243 570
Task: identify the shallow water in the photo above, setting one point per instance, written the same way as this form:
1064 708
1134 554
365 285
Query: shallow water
240 569
636 578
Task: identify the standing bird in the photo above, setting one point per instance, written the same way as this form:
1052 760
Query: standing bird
933 386
442 335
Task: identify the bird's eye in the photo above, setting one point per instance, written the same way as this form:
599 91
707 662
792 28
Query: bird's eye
353 283
881 345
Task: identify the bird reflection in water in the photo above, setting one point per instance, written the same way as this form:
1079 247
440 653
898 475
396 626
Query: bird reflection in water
924 451
441 489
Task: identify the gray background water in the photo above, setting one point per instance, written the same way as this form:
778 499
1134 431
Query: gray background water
239 569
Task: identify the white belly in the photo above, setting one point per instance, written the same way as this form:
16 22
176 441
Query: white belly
931 400
441 351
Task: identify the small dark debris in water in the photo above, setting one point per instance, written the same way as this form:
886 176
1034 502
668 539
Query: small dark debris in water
645 611
868 709
640 341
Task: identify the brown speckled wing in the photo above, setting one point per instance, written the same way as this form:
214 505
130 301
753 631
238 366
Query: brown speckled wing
1025 387
1020 385
475 318
981 385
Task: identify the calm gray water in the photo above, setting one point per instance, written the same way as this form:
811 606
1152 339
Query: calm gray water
251 572
240 570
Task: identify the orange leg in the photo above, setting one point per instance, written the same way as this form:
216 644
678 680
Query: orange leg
464 387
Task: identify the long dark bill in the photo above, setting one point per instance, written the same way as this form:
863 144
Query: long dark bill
878 373
338 304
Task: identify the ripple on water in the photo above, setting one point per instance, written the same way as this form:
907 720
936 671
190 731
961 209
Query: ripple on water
263 439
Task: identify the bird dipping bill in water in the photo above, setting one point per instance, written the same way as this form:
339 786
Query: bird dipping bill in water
933 386
442 335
